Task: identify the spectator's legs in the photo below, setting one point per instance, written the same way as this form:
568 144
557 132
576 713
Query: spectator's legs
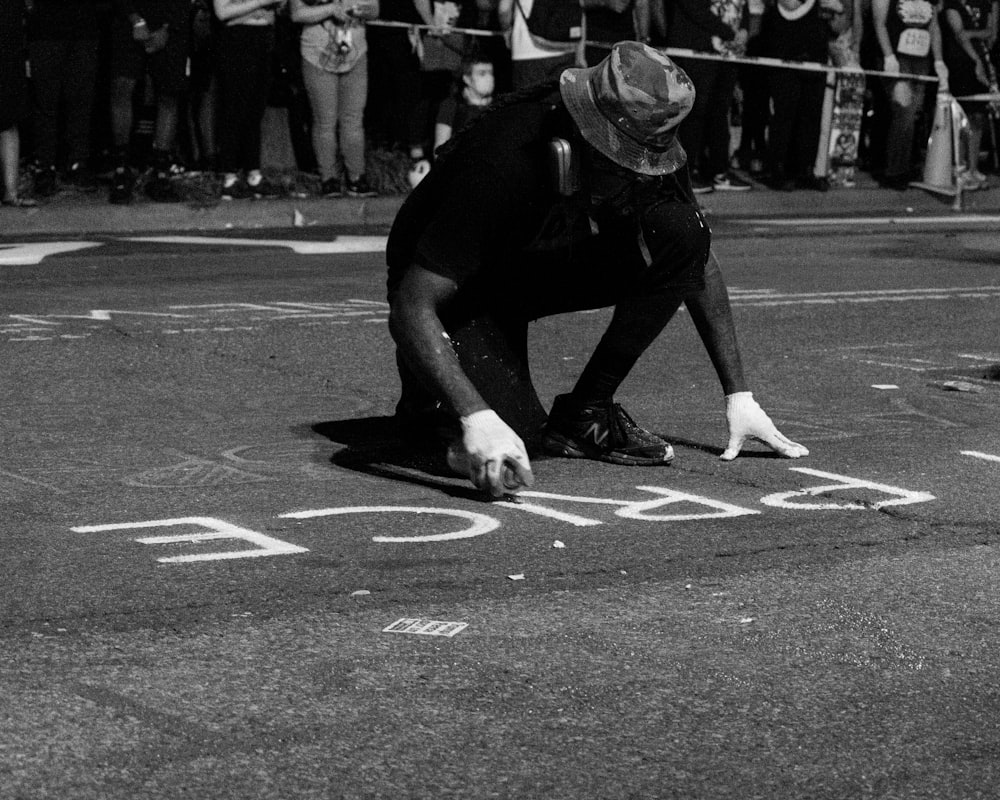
696 126
10 156
48 67
905 99
322 87
785 89
244 83
352 99
808 121
167 106
80 94
122 89
717 124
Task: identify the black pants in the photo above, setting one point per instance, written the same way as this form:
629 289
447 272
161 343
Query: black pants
63 72
488 320
392 115
795 125
705 131
245 73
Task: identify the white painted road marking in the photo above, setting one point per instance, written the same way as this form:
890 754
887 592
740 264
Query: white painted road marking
633 509
219 529
480 522
954 219
16 255
339 245
983 456
903 496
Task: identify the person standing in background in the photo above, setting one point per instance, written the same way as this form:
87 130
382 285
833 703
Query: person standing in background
531 64
63 48
246 47
717 27
13 92
335 73
909 37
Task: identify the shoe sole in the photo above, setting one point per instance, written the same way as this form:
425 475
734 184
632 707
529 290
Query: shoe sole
557 445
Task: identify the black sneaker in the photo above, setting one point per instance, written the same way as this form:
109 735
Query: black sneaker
264 188
727 182
701 186
603 432
160 189
332 187
236 189
45 181
81 176
360 187
122 184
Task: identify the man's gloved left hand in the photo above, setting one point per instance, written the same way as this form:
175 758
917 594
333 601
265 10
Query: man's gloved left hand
747 420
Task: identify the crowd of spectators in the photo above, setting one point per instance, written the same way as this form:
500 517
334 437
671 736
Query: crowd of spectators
134 93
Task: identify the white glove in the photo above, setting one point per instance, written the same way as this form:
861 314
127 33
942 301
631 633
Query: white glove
747 420
941 70
491 455
890 64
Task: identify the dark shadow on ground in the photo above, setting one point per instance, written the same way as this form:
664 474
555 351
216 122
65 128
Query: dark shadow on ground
378 446
748 450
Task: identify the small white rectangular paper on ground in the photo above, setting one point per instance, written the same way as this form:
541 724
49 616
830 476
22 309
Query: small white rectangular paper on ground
884 386
427 627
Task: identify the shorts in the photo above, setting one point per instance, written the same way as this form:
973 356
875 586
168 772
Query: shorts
167 67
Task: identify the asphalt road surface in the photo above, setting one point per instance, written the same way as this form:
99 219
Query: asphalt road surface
208 524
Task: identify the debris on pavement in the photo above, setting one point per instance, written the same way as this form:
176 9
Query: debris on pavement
957 386
558 545
426 627
518 577
360 593
884 386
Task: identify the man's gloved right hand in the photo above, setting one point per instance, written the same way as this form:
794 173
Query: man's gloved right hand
890 64
494 456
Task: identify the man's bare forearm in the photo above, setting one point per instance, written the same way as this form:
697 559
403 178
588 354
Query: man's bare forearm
427 350
713 318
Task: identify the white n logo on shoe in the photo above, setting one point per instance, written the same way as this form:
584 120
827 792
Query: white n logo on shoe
594 432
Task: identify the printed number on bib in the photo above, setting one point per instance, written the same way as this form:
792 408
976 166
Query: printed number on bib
914 42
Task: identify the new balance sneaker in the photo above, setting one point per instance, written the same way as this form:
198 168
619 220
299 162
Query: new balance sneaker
360 187
727 182
603 432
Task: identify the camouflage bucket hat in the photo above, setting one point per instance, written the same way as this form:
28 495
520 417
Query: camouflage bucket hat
629 107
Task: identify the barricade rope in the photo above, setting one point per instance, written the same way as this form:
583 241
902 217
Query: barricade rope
760 61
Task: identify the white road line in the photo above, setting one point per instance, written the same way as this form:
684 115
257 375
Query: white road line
983 456
341 244
26 254
964 219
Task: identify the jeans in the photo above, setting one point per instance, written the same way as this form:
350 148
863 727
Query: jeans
338 106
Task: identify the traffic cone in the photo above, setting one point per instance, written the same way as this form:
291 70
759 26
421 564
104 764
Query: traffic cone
943 164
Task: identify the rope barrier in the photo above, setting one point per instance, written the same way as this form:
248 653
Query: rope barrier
760 61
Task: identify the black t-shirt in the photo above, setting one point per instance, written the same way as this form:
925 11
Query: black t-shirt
487 195
491 196
69 20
